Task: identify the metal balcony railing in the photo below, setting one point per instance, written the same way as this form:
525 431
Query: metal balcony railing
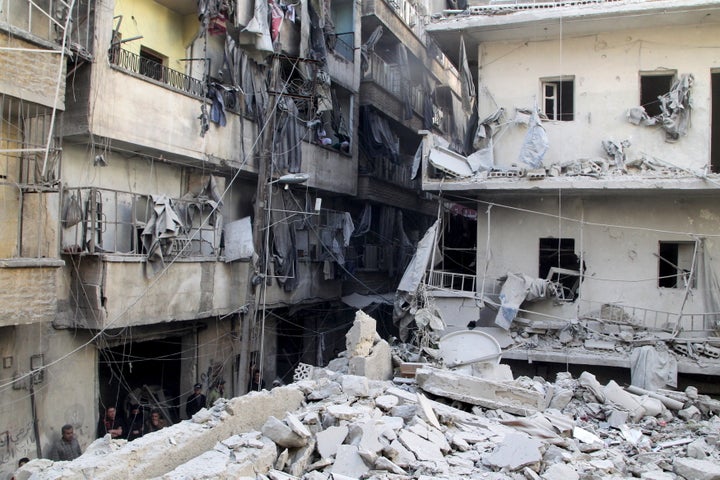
444 280
134 63
112 221
647 318
398 174
406 11
390 78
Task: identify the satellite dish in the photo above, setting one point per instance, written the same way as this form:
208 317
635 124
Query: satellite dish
466 347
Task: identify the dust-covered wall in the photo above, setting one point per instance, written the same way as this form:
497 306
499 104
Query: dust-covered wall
64 392
606 69
617 238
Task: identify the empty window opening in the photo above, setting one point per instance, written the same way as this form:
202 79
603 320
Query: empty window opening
558 263
653 86
715 122
675 262
558 99
151 63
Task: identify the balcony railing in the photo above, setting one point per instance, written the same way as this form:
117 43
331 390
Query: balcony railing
398 174
647 318
444 280
390 78
134 63
109 221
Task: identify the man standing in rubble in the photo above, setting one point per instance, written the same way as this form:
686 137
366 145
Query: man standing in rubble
195 401
218 391
67 448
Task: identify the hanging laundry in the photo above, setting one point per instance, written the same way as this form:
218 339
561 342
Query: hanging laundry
276 18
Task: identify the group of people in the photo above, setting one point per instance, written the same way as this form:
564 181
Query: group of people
197 401
135 426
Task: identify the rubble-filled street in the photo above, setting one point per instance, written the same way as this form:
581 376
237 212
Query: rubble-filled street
472 423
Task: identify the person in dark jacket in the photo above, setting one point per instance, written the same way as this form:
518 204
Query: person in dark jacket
110 423
195 401
135 423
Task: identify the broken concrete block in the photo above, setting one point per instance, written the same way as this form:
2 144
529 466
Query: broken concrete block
330 439
383 463
699 449
355 386
616 395
377 365
301 459
386 402
478 391
589 381
696 469
560 471
515 452
347 412
690 413
348 462
561 397
339 364
422 449
586 436
405 412
282 460
617 418
599 344
361 336
497 372
427 411
369 440
281 434
399 455
297 426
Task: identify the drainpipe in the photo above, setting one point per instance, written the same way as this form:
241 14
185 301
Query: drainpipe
36 428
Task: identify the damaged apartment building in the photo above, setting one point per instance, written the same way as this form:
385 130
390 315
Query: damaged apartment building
190 189
587 184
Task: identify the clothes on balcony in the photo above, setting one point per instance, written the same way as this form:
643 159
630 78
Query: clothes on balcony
284 247
162 227
260 27
363 225
217 107
377 138
287 150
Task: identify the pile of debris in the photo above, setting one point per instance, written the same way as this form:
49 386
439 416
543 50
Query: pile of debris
473 423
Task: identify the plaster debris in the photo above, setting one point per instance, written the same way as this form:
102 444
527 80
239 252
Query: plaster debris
381 430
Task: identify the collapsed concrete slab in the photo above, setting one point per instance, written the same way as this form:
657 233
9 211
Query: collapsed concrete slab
479 391
160 452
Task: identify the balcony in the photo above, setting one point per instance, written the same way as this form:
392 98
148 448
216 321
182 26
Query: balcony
403 24
135 64
123 276
395 90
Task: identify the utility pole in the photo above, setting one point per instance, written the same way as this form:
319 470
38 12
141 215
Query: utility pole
260 225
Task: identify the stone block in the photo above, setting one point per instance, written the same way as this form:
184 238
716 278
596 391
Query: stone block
515 452
348 462
696 469
282 434
355 385
330 439
361 336
478 391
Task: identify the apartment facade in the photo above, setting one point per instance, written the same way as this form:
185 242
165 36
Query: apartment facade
592 166
187 199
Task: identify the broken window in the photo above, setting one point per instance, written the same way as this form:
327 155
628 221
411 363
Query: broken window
675 265
558 98
652 86
342 17
151 63
558 263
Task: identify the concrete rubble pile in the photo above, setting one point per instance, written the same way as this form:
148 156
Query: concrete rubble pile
333 425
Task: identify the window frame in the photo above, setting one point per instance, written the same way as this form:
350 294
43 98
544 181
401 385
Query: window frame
675 261
559 97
